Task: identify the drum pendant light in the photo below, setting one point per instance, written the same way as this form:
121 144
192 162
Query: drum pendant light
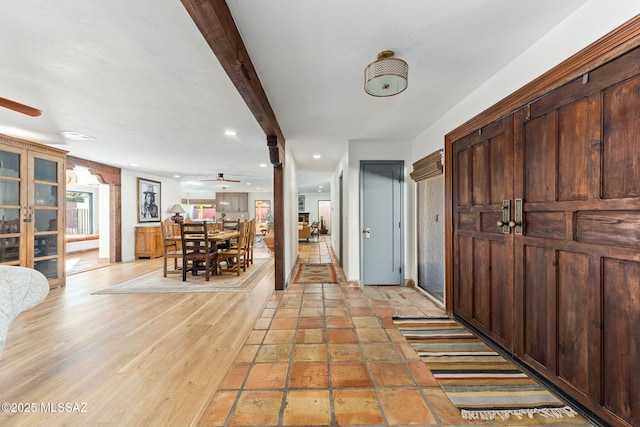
386 76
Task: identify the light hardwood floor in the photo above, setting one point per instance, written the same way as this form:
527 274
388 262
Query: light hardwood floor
130 359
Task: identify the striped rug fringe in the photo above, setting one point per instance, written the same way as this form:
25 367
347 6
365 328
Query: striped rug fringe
519 413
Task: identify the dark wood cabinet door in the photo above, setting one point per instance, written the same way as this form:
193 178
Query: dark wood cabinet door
577 264
564 293
483 272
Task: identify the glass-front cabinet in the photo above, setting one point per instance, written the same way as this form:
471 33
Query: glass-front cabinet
32 188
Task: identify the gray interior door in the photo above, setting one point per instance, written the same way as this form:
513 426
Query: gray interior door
381 222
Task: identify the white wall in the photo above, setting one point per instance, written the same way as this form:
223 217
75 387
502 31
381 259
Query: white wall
170 193
290 215
341 168
589 23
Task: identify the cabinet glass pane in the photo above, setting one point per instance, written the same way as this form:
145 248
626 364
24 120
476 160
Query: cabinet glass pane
45 170
45 220
9 221
45 195
45 245
47 267
9 192
9 164
9 249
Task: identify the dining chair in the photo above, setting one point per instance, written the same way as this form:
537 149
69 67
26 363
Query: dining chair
214 226
231 225
234 258
251 237
198 252
170 248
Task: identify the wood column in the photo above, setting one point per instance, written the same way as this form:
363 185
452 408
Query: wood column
214 20
278 209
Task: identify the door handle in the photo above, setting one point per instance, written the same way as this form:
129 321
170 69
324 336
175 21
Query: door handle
367 233
516 223
518 220
506 214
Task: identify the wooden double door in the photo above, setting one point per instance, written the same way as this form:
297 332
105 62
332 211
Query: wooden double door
546 245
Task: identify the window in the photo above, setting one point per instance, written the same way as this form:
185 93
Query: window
203 212
79 213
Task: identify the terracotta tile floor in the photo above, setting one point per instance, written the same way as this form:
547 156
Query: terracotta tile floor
329 354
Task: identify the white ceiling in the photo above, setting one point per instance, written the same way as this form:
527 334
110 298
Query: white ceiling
138 76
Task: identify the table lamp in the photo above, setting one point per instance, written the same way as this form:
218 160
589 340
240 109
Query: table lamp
177 210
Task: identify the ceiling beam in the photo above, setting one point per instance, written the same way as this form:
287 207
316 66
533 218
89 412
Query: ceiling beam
215 22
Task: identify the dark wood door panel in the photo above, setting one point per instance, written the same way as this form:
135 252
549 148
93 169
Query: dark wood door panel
483 286
579 253
574 151
621 338
615 228
540 162
501 281
463 272
621 152
537 338
575 294
560 337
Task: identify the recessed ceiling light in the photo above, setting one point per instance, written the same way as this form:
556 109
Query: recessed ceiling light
316 156
135 165
263 165
176 176
248 183
319 186
230 132
71 134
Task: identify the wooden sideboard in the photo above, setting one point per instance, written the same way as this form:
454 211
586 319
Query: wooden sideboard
148 242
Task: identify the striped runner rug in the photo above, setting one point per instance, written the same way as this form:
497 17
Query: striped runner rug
315 273
478 380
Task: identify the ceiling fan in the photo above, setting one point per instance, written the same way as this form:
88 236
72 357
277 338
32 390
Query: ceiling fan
20 108
221 178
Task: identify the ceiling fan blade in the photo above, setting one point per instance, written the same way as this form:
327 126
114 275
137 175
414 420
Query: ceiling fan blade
221 178
20 108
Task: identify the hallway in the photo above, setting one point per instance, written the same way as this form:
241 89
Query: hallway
329 354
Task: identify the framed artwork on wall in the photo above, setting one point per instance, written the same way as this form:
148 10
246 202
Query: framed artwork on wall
148 200
300 203
262 210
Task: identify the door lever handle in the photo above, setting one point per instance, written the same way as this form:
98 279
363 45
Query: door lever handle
506 214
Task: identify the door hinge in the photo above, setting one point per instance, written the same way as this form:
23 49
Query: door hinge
400 270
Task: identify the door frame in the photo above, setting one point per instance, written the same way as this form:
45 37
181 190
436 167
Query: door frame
400 164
